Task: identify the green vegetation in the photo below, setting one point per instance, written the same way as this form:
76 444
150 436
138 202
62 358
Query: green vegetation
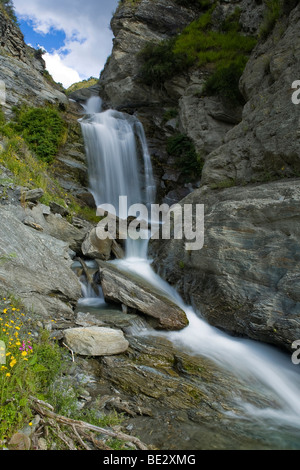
227 183
35 366
84 84
223 52
29 368
274 10
224 82
159 62
170 113
43 129
188 161
30 171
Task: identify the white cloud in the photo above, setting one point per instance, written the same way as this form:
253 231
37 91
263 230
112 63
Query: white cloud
86 26
59 71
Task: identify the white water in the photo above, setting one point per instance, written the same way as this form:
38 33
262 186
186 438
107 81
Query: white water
113 167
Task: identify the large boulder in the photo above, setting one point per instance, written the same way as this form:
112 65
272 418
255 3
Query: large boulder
134 292
93 247
96 341
245 279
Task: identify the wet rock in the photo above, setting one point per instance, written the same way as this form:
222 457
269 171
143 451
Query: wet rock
128 289
245 279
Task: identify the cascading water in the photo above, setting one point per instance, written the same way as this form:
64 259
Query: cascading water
111 142
114 170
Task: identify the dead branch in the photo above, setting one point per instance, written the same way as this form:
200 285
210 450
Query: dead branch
71 351
79 438
44 409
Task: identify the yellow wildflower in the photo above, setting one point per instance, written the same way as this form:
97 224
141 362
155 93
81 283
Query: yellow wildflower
13 362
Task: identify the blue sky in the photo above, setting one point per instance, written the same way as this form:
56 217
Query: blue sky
74 33
54 40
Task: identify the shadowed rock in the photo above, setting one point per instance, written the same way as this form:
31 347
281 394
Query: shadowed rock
128 289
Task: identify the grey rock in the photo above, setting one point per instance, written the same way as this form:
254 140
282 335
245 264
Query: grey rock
83 94
93 247
58 209
96 341
134 25
245 279
33 195
22 70
39 272
265 144
131 290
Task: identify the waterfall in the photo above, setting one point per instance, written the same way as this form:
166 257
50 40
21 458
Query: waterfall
114 168
112 155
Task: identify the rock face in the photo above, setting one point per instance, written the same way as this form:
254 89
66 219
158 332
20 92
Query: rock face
134 25
96 341
23 70
123 287
246 278
206 120
265 145
36 267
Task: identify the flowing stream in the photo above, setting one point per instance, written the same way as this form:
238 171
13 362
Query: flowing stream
112 140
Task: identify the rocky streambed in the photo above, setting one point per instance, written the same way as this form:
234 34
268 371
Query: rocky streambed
170 397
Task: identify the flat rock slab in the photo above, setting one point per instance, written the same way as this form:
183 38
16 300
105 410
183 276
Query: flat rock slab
126 288
96 341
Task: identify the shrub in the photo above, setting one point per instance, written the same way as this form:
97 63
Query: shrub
159 63
225 51
2 118
203 45
30 367
43 129
274 10
183 149
224 82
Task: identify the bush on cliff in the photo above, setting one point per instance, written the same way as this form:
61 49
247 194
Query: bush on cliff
224 52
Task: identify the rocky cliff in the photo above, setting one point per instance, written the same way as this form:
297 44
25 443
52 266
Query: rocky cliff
245 278
22 70
37 242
